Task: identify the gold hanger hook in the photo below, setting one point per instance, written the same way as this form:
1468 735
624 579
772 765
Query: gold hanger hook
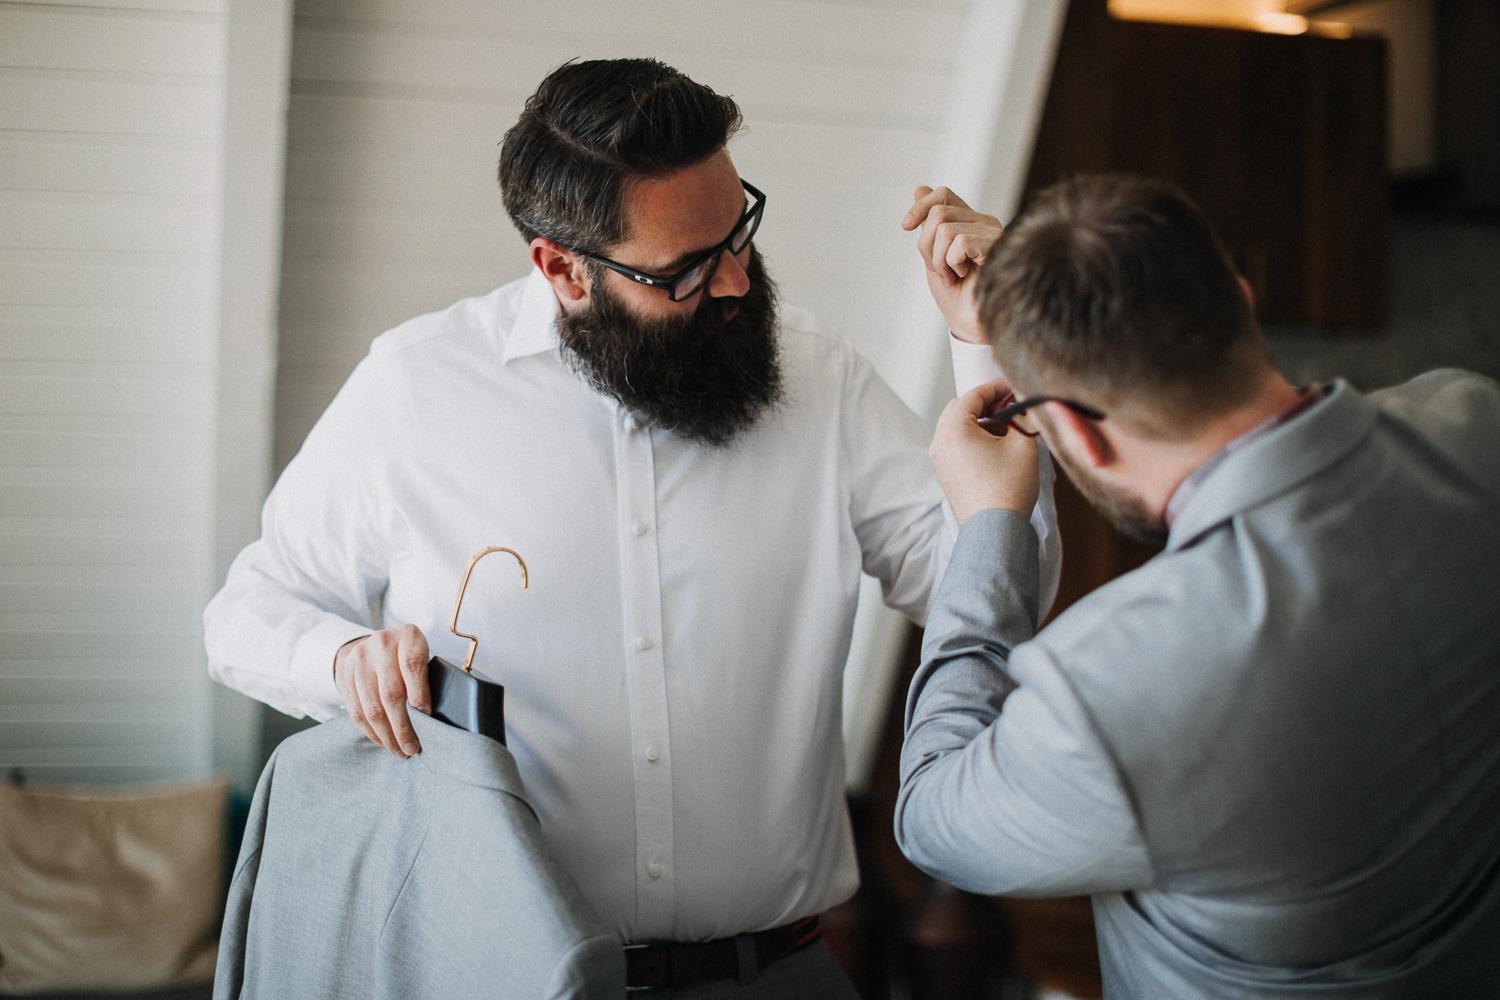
453 625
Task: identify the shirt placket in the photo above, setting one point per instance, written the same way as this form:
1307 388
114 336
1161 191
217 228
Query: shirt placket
645 671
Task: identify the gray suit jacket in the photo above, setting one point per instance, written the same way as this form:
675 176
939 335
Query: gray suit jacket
366 876
1272 754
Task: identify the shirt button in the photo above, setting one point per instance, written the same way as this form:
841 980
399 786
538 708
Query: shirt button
655 869
633 422
643 643
652 753
638 529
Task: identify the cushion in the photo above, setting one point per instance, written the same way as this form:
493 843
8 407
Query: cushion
110 889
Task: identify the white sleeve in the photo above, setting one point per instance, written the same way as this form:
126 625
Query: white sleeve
973 366
309 584
896 508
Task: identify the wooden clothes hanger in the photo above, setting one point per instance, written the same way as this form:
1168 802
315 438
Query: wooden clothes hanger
458 697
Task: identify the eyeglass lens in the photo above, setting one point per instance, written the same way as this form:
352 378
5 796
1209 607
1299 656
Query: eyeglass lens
703 272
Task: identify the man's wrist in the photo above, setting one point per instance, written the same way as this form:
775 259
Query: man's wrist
316 650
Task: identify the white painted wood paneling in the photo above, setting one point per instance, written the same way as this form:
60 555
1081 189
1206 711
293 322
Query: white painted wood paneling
110 144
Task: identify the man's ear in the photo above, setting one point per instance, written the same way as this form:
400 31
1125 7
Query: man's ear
1081 436
562 268
1249 292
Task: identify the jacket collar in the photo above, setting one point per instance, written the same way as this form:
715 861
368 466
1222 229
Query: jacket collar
1275 463
464 756
535 328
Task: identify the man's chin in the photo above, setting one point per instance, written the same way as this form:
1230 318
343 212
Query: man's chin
1126 514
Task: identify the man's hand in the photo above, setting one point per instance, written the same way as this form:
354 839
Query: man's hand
378 676
977 470
955 241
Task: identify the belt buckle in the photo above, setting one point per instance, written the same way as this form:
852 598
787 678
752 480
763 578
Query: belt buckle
636 989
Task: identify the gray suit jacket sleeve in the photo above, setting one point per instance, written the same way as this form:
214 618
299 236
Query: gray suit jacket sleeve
1005 784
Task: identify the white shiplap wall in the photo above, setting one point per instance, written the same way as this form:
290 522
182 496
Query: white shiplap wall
110 130
398 106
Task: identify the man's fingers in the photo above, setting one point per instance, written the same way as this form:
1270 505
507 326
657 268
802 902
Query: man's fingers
413 654
976 469
367 687
913 216
937 236
393 700
937 254
957 248
922 200
925 199
967 250
981 400
953 244
345 666
357 713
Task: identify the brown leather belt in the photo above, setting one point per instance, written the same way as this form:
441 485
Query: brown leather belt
652 966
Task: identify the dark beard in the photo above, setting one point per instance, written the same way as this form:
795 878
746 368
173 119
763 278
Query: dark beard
708 376
1127 514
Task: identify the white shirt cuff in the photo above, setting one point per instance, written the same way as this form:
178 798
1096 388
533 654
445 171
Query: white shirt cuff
312 664
973 364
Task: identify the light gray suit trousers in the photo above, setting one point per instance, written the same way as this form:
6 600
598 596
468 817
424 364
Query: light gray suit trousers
1272 754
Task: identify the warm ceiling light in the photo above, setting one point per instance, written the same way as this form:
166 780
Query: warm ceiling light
1256 15
1281 23
1331 29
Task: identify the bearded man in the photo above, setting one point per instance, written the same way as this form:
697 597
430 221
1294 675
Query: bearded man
696 478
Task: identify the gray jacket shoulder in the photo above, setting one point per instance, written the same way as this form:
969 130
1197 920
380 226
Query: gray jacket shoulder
1455 411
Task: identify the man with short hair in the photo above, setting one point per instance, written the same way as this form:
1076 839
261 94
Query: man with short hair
695 477
1272 754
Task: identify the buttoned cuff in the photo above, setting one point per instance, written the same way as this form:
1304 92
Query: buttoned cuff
973 364
312 665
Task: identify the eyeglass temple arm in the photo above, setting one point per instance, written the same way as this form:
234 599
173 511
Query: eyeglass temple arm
1018 408
453 623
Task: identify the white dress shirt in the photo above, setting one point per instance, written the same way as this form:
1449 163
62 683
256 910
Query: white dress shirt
673 674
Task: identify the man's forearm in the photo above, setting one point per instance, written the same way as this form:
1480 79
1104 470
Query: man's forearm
987 604
272 644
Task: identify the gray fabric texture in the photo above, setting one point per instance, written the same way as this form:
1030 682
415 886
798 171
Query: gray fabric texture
366 876
1272 754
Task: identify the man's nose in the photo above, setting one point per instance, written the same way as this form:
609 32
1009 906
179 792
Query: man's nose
730 279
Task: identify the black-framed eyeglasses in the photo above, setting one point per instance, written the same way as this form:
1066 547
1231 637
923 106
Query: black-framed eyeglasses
998 422
700 270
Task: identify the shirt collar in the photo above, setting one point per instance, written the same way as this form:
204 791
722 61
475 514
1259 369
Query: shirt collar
535 328
1189 486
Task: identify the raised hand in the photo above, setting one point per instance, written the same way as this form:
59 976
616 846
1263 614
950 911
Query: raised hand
954 242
